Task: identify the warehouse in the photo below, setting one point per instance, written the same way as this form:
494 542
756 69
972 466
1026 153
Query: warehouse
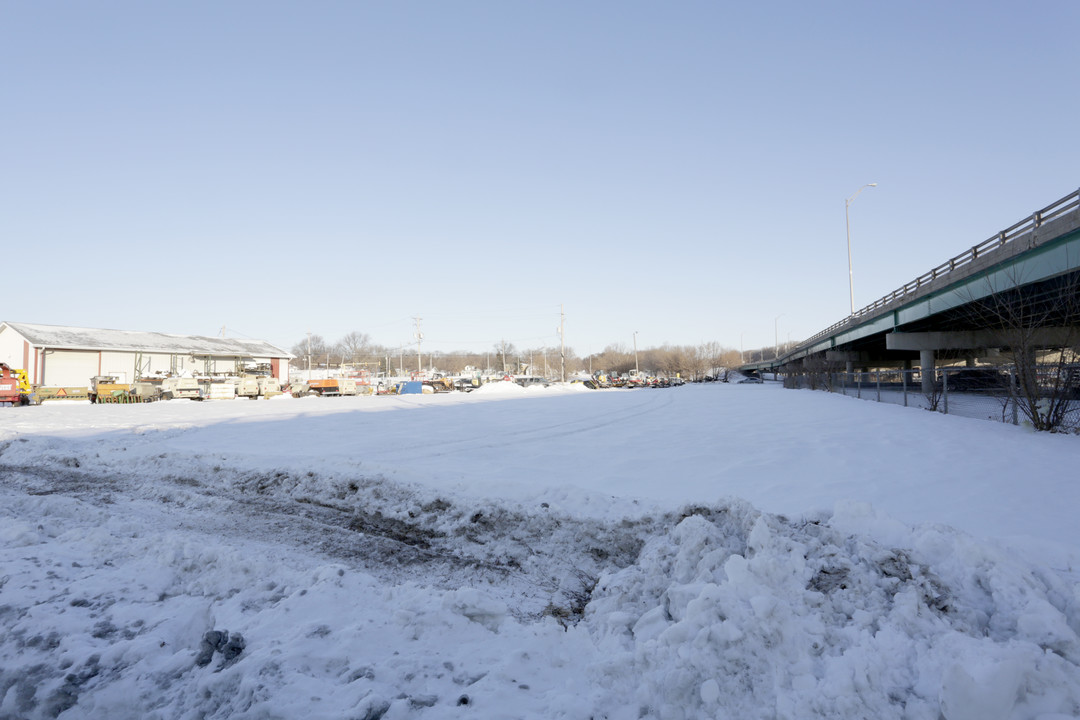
55 355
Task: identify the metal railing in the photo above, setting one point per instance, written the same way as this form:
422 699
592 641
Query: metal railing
987 393
1069 203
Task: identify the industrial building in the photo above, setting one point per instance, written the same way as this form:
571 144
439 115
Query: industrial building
55 355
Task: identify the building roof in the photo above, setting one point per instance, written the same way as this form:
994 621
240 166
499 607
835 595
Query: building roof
74 338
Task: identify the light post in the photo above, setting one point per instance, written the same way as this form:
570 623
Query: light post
847 223
776 334
637 370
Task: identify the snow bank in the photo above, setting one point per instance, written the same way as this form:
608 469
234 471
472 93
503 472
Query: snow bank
737 614
502 387
725 612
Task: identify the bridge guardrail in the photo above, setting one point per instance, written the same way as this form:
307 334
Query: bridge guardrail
1054 210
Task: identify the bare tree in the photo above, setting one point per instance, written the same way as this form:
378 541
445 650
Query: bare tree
1039 325
313 348
507 355
353 346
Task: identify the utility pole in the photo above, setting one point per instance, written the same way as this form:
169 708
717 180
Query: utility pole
309 356
562 345
419 338
637 370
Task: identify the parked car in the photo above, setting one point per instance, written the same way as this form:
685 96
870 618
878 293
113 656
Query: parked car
531 381
978 379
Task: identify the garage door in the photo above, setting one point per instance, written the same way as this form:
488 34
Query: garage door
70 368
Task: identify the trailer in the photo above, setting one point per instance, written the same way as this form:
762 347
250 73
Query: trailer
332 386
323 386
181 387
269 386
247 386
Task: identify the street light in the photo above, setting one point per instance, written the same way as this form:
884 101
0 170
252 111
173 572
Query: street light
637 370
776 334
847 222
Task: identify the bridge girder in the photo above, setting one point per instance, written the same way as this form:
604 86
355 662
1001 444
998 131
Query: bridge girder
984 339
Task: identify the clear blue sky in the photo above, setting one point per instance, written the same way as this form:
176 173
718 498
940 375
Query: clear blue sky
675 169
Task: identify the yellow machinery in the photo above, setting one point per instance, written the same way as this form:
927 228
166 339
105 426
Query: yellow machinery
14 386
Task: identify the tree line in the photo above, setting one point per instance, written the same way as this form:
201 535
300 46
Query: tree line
357 350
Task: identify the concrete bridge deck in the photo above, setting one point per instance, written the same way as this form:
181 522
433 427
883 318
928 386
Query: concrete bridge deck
1026 277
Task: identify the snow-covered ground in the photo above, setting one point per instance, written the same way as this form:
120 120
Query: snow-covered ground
712 551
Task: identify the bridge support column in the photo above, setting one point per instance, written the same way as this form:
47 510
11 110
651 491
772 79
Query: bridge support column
849 368
926 367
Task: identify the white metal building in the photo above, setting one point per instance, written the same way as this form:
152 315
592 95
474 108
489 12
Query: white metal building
55 355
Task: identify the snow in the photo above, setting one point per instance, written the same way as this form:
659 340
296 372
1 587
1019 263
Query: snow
708 551
61 336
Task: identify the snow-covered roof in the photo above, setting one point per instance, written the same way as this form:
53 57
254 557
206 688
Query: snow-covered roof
76 338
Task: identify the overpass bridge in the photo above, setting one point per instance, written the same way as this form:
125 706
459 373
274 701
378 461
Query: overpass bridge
1016 291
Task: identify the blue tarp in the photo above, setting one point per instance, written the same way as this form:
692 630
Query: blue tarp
413 387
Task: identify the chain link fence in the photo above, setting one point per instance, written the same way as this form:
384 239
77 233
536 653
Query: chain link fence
987 393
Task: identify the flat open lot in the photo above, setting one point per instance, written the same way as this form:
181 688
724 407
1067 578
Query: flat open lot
685 552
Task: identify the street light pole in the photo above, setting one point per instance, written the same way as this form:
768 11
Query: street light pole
776 334
847 223
637 370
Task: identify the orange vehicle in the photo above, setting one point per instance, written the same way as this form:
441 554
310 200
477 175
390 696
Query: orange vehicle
14 388
327 386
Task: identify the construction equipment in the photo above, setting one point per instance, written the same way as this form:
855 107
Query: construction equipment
142 391
439 385
247 386
323 386
269 386
332 386
106 389
14 387
43 393
181 387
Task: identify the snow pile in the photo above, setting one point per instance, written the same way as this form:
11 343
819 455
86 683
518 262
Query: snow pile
726 612
502 387
740 614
